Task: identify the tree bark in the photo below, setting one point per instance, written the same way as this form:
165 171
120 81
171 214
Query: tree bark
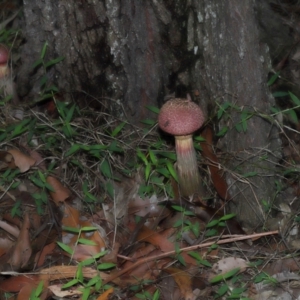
234 70
115 52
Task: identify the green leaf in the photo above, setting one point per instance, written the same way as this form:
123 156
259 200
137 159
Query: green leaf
65 247
164 171
86 293
199 259
71 229
178 223
172 170
88 228
222 290
95 147
37 63
86 242
250 174
227 275
113 147
142 156
181 259
105 169
223 131
238 128
295 99
199 138
147 171
273 78
49 187
110 189
280 94
79 274
41 175
44 49
178 208
70 113
54 61
156 295
153 157
70 283
87 262
293 116
170 155
74 148
148 122
118 129
94 280
260 277
106 266
37 182
154 109
212 223
227 217
39 289
43 81
222 109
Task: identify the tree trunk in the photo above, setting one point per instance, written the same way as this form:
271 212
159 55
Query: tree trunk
234 72
125 55
114 52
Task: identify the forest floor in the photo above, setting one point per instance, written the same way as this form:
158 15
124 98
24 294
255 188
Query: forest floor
90 209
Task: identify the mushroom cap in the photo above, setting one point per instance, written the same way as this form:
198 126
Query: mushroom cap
180 117
4 54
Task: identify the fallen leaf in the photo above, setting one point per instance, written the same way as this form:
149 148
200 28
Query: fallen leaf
213 165
61 193
22 250
22 161
184 282
228 264
106 294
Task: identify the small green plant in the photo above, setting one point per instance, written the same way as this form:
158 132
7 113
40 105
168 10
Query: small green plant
213 225
141 293
36 293
47 90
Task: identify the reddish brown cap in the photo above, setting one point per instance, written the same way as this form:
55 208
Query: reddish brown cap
180 117
4 54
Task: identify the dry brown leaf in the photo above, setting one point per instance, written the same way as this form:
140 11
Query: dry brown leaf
22 250
162 242
106 294
81 251
22 161
41 255
213 165
15 283
57 290
184 282
227 264
65 272
61 193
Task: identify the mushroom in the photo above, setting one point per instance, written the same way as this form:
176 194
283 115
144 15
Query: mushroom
4 57
181 118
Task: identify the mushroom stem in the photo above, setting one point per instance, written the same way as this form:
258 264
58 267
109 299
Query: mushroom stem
187 168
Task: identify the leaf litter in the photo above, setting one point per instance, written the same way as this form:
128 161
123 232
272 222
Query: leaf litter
90 206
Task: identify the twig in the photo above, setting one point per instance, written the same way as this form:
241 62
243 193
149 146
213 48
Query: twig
190 248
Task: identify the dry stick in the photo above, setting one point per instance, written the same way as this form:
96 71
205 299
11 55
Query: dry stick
190 248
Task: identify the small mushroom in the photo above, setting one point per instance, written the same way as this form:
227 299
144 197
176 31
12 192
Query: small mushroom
181 118
4 57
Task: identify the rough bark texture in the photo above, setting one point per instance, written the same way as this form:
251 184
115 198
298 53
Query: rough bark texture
119 52
128 54
234 70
